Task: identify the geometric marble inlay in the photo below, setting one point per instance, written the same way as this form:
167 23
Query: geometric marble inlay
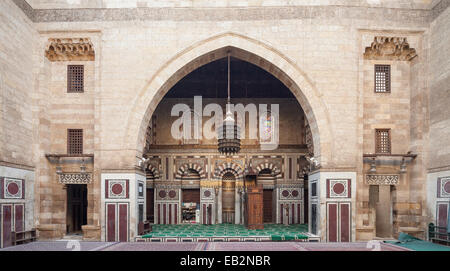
12 188
117 189
338 188
444 187
290 194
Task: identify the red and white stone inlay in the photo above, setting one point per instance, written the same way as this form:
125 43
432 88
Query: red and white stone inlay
445 187
12 188
172 194
117 189
338 188
162 194
207 194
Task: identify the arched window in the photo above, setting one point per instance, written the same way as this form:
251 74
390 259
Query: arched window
266 128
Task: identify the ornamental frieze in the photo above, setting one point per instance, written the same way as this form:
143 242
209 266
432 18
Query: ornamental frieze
70 50
75 178
390 48
382 179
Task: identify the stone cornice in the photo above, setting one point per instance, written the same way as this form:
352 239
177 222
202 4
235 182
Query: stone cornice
421 16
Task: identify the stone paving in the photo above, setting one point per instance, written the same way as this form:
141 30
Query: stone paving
206 246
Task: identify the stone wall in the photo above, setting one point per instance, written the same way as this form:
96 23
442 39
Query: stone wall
440 92
17 40
51 4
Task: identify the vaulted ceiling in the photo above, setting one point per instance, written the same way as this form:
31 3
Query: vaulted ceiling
247 81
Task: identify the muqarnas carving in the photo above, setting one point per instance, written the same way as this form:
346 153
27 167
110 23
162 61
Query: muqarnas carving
70 50
390 48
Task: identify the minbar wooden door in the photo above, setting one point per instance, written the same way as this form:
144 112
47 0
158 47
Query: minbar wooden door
255 207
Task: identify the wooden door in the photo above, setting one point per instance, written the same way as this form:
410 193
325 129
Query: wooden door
267 208
255 207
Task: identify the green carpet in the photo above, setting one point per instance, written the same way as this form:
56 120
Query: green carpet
410 242
277 232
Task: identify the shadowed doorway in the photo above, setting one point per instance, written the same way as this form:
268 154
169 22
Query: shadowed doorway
76 208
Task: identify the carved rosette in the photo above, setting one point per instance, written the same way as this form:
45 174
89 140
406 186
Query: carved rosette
70 50
390 48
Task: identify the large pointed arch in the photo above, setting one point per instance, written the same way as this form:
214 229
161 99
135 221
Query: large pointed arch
244 48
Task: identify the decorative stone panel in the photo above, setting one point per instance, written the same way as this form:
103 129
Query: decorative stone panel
443 187
154 167
223 167
80 49
75 178
290 194
117 189
183 164
390 48
167 194
12 188
207 194
275 164
339 188
382 179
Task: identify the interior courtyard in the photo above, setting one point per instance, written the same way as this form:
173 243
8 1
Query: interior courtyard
309 125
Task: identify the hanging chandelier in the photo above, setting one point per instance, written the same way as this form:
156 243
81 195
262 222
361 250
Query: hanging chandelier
229 133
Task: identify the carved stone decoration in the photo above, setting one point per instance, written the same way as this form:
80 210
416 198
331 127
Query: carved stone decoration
309 141
75 178
390 48
382 179
70 50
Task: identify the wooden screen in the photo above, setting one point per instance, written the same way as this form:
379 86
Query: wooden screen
382 78
191 195
75 78
382 141
267 208
75 141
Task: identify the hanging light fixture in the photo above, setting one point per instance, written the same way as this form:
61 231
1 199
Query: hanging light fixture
229 133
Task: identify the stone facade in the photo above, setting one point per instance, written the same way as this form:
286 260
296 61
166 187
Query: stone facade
142 48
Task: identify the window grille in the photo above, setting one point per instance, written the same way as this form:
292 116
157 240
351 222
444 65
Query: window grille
74 141
382 78
382 141
75 78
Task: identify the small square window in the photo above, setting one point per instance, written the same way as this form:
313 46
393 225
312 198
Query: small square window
383 141
382 78
74 141
75 78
